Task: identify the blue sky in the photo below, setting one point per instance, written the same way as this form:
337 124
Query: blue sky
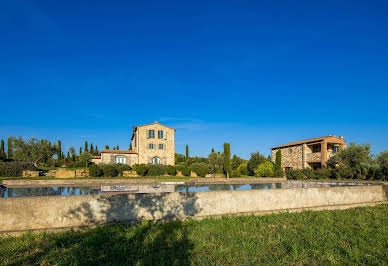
253 73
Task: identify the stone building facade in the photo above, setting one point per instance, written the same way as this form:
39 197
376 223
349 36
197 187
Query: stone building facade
309 153
151 144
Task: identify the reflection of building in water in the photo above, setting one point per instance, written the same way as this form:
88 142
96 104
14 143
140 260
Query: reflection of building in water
137 189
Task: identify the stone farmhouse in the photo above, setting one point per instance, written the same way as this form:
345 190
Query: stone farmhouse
309 153
151 144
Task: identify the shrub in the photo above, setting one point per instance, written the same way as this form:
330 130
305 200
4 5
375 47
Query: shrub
12 169
265 169
321 173
186 171
235 173
95 171
278 171
141 169
295 174
156 170
109 170
342 173
122 167
242 169
171 170
180 166
200 168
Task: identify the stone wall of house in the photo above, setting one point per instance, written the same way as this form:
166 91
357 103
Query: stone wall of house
311 156
291 157
167 155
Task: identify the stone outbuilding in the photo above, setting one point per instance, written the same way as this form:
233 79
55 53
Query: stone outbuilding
152 144
310 153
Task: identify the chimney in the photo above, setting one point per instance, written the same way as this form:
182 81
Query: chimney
341 137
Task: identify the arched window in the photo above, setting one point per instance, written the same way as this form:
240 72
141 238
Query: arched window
156 160
120 159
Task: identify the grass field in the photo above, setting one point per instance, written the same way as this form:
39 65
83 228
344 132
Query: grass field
354 236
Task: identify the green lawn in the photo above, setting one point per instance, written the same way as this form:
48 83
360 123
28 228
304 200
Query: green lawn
355 236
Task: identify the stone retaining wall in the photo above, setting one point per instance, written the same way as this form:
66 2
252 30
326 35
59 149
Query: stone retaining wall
18 214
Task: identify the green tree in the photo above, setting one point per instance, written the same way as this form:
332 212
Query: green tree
130 146
91 148
10 148
212 150
187 151
96 150
117 148
85 158
227 165
33 150
254 161
179 158
278 164
80 150
3 155
86 149
269 159
265 169
382 161
68 157
106 147
236 161
356 157
215 160
242 169
59 150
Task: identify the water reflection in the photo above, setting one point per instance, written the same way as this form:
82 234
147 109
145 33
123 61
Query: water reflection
46 191
216 187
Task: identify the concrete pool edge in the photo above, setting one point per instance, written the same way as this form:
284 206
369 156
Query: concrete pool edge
41 213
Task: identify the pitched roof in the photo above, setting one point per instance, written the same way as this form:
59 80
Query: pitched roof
119 152
154 123
329 138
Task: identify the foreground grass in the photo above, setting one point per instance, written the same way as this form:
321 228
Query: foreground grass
355 236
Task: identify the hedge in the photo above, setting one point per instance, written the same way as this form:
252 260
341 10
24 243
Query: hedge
13 169
156 170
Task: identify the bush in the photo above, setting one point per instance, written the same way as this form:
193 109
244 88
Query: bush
321 173
342 173
235 173
200 168
156 170
95 171
141 169
186 171
109 170
13 169
242 169
295 174
122 167
171 170
180 166
265 169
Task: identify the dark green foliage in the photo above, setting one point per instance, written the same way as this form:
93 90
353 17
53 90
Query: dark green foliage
171 170
201 169
180 166
187 151
216 160
96 151
265 169
3 155
141 169
109 170
86 149
242 169
16 168
278 172
85 159
10 148
269 159
186 171
156 170
130 146
254 161
192 160
106 147
80 150
91 148
95 171
117 148
382 161
59 150
179 158
341 173
235 173
236 161
226 164
294 174
122 167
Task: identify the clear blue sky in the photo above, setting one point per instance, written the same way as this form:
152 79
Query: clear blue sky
253 73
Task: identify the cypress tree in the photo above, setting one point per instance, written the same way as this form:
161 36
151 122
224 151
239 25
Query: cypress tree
73 157
10 148
269 158
62 156
3 156
114 148
106 147
130 146
91 149
212 150
96 150
80 150
86 146
68 156
59 150
117 148
227 165
2 146
278 164
187 151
